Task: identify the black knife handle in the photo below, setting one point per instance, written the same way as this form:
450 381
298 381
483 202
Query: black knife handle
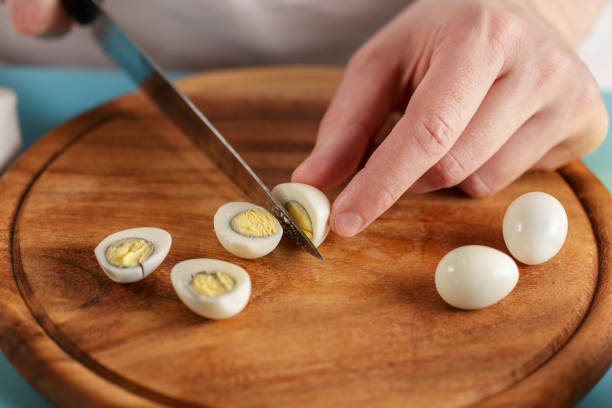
83 11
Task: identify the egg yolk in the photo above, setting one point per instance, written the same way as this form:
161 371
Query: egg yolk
128 252
213 283
300 215
254 223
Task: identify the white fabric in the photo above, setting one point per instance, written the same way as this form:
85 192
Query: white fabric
596 50
10 136
205 34
202 34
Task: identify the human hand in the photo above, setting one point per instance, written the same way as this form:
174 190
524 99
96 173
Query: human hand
39 17
488 89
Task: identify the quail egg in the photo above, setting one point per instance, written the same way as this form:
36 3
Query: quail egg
131 255
535 227
211 288
308 206
475 276
247 230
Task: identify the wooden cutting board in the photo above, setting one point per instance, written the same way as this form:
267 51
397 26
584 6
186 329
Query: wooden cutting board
365 327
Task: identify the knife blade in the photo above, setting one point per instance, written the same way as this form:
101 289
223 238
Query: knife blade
182 112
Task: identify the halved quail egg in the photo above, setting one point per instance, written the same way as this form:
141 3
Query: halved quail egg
247 230
211 288
131 255
308 206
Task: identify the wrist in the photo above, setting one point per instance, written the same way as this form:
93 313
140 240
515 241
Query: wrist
573 19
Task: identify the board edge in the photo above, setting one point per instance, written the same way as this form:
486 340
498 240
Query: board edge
18 326
584 359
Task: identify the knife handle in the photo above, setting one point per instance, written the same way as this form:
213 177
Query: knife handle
83 11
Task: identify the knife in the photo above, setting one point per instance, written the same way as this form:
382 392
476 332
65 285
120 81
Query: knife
182 112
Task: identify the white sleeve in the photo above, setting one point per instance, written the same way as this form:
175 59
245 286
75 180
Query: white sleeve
596 50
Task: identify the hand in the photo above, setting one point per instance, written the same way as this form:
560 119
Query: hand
488 89
39 17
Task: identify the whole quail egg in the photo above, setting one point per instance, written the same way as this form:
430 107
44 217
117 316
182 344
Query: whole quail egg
211 288
475 276
131 255
308 206
247 230
535 227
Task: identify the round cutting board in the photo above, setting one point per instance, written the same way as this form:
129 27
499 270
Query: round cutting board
364 327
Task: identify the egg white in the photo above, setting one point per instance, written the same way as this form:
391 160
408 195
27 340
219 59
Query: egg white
535 227
475 276
161 241
314 202
238 244
212 307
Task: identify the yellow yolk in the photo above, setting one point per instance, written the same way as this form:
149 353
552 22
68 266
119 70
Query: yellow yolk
212 283
300 215
129 252
254 223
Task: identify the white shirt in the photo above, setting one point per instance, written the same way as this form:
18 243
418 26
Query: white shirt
203 34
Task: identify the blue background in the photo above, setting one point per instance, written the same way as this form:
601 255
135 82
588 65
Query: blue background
50 96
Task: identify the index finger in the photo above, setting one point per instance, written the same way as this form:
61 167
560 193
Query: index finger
440 109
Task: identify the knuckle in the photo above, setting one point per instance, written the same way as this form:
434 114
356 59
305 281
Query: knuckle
604 125
373 192
476 187
556 63
386 196
333 117
503 27
378 195
356 60
559 60
496 26
601 123
370 53
589 121
338 117
589 95
448 172
560 155
435 133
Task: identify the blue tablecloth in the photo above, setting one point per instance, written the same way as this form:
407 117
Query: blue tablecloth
48 97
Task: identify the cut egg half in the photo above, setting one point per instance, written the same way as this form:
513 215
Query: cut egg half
131 255
211 288
247 230
308 207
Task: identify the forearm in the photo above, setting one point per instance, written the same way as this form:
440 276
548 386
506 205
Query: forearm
572 17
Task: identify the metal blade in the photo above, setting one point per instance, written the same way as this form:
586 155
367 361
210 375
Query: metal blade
188 118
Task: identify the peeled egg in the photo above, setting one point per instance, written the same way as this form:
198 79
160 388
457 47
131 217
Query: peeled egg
211 288
475 276
247 230
131 255
535 227
308 206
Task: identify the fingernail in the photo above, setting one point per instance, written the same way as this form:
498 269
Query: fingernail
348 224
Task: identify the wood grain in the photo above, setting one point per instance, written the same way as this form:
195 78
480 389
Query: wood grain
364 327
